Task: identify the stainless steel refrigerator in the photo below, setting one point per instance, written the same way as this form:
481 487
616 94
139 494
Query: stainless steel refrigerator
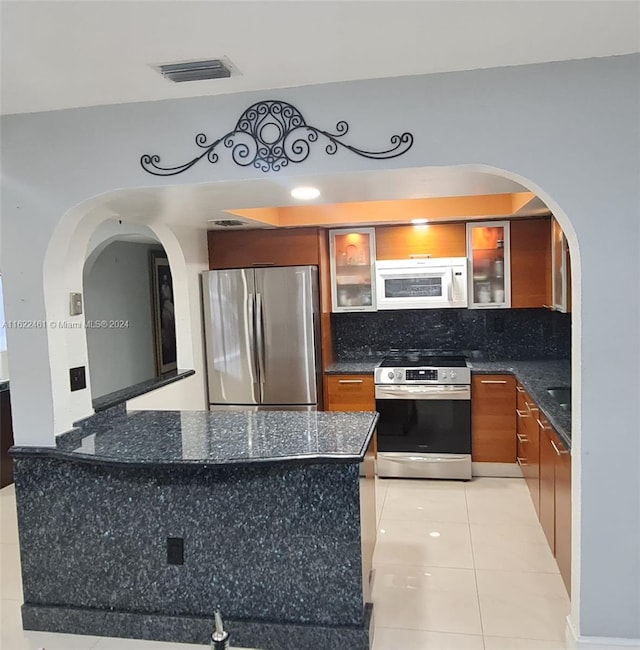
262 337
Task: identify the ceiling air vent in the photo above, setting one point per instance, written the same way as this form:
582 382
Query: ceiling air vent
196 70
228 223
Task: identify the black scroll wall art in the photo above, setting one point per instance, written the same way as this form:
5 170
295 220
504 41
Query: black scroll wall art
271 134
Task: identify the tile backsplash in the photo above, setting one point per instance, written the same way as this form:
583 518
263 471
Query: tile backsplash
490 334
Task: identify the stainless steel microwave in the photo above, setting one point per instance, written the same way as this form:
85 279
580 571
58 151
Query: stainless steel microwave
421 283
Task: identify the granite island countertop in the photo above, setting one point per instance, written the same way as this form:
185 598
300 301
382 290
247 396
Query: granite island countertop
202 438
535 376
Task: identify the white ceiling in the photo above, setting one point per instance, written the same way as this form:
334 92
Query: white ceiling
57 55
82 53
198 205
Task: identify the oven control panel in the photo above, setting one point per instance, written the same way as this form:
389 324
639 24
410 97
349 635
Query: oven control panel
398 376
414 374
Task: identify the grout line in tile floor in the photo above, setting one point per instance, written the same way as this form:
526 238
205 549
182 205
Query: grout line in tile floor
475 573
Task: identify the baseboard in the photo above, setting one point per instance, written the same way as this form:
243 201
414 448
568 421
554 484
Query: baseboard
246 633
576 642
500 470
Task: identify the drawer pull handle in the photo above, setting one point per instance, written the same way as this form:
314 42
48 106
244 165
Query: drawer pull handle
520 389
493 381
560 453
521 438
350 381
543 426
531 407
521 461
522 414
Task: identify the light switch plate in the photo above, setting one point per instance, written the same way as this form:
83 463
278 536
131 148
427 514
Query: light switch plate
75 304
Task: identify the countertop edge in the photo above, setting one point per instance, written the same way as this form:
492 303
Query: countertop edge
18 452
125 394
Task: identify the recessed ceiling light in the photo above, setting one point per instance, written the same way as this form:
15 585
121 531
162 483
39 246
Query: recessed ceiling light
305 193
419 222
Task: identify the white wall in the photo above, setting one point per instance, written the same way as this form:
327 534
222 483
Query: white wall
4 362
569 129
117 287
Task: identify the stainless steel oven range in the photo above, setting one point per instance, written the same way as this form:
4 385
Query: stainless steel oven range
424 429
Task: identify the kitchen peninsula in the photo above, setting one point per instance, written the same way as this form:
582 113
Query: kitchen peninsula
141 524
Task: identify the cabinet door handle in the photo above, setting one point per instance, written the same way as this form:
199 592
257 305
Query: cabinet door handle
521 461
522 414
493 381
521 438
520 389
560 453
350 381
263 264
543 426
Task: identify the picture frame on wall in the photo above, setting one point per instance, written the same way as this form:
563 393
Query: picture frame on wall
164 322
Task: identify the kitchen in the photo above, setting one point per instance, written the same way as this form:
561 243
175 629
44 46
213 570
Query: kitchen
319 238
590 330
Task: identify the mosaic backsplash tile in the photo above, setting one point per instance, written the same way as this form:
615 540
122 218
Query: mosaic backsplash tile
490 334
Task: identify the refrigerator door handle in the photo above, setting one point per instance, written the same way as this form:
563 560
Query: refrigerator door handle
251 319
260 341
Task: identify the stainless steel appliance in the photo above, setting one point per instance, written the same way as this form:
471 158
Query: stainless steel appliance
262 337
421 283
424 429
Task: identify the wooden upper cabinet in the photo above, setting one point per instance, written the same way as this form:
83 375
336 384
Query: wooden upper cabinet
235 249
531 262
493 418
436 240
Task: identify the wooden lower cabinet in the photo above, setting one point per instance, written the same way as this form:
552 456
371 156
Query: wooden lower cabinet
493 422
563 515
350 393
547 495
528 444
546 465
6 439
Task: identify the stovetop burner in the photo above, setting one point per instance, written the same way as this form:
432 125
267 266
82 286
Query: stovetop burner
426 361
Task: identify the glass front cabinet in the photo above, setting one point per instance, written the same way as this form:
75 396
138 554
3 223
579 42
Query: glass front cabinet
489 264
559 268
353 253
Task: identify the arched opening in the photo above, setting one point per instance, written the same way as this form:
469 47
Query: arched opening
187 290
128 312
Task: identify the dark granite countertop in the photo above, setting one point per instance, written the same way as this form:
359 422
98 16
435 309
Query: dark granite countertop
535 376
152 438
353 367
124 394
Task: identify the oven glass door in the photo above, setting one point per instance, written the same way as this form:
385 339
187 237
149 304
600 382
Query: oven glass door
441 426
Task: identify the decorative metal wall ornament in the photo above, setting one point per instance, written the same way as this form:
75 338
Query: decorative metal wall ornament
271 134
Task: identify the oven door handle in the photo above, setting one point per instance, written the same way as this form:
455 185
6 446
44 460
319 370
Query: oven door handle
424 392
449 458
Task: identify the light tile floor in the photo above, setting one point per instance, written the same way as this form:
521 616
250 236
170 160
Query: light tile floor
458 566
